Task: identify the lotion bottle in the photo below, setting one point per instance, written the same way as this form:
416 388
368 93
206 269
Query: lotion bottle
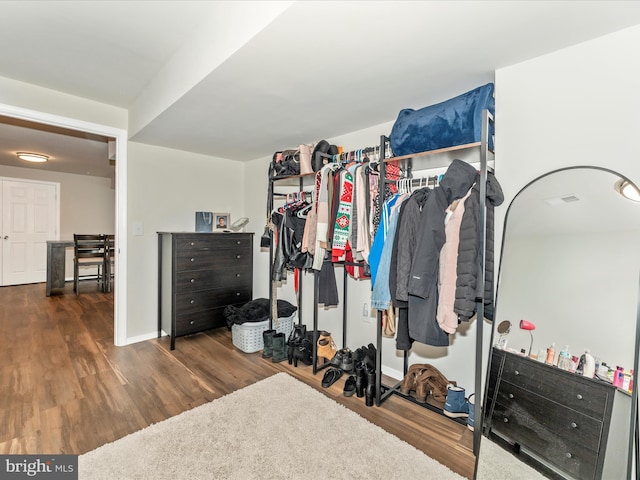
589 367
551 354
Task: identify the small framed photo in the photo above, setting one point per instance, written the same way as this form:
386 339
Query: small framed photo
221 221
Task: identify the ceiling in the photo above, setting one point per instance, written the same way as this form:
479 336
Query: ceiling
240 80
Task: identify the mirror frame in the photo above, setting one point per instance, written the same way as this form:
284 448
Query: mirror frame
633 420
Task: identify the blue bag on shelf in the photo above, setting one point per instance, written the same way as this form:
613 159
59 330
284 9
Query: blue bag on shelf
456 121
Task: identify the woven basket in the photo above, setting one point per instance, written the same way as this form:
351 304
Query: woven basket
248 336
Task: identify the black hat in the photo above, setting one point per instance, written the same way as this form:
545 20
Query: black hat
323 147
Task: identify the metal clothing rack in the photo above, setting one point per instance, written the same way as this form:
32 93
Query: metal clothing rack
384 391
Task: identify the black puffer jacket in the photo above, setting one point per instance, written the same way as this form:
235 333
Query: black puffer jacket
467 289
423 288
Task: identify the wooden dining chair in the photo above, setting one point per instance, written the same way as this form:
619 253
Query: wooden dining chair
109 260
89 251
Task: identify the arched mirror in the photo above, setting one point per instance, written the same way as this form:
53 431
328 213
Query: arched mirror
570 265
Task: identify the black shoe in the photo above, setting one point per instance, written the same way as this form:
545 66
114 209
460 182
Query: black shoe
349 386
361 379
331 376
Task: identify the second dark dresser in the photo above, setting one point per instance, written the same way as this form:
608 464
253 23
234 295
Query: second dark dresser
199 274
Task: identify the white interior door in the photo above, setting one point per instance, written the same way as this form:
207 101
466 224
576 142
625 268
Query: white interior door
29 218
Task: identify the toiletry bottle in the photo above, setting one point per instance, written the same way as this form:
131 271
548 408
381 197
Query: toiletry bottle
551 354
617 377
580 367
631 382
589 367
564 359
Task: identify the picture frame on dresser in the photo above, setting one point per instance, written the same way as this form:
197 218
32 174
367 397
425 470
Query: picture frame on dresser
221 221
553 247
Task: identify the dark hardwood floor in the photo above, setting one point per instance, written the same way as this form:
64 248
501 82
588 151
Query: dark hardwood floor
67 389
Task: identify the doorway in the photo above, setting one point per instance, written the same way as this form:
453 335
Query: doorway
30 217
120 149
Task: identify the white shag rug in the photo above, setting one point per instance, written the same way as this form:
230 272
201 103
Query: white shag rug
278 428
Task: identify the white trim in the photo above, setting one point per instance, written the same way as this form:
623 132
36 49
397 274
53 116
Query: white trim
120 292
142 338
392 372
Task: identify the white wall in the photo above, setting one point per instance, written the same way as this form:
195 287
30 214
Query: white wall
87 204
166 188
575 288
577 106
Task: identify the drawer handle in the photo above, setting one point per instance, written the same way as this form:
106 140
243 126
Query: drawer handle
237 256
193 280
237 294
579 397
568 455
574 425
192 259
237 275
516 372
192 244
511 395
238 242
192 322
505 420
192 301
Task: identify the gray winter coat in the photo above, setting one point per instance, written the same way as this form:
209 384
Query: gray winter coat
467 289
423 281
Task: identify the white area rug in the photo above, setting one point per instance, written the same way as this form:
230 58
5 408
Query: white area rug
278 428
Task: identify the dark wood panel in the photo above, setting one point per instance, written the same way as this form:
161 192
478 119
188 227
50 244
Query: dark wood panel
211 279
200 321
522 428
579 393
536 412
233 257
193 302
204 242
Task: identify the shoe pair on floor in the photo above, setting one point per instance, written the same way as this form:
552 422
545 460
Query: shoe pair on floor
457 406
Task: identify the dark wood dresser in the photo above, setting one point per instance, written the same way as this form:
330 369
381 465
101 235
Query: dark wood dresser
560 417
199 274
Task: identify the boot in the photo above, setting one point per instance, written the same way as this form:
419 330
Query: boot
456 405
303 353
409 382
267 337
423 385
361 379
279 348
346 363
370 391
298 333
326 347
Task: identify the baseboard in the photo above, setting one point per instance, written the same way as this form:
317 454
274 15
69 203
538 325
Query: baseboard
392 372
142 338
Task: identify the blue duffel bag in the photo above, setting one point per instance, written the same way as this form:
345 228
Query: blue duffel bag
456 121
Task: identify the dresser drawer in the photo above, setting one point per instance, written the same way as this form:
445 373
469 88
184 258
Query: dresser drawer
197 322
206 242
569 456
540 414
581 394
195 280
192 302
213 259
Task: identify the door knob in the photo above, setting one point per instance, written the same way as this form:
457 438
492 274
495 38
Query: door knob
6 237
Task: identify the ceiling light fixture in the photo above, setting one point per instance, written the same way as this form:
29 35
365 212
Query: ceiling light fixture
627 189
32 157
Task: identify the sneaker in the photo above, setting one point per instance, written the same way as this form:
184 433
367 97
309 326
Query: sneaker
456 405
472 406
